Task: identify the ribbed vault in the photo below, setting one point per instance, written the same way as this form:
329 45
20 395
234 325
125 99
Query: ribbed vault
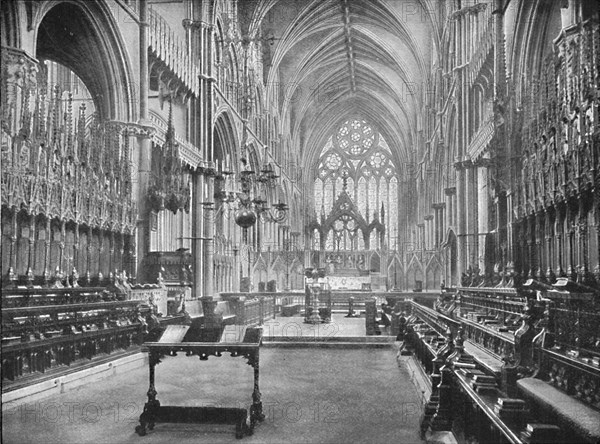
339 59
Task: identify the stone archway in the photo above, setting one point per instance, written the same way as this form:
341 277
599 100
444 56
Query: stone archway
89 44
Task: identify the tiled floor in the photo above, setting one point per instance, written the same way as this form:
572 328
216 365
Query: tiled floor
309 396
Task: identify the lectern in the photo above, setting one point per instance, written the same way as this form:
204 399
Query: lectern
238 341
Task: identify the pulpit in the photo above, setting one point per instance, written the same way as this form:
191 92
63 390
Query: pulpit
238 341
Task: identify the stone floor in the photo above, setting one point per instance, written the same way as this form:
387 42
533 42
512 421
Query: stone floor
294 326
309 396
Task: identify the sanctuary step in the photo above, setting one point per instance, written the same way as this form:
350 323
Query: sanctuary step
327 344
332 339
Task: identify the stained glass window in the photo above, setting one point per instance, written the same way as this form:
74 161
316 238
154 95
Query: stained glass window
316 240
361 201
318 194
393 210
339 185
328 196
329 241
350 188
372 204
383 199
358 152
373 241
334 161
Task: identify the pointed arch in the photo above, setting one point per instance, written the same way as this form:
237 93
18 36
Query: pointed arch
225 139
90 38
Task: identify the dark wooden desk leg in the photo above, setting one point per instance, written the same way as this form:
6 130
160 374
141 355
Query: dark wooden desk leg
256 411
241 427
148 416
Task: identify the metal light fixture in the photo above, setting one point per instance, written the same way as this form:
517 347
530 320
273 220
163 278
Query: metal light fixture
251 207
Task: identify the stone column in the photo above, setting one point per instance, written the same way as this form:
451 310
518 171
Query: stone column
482 211
570 244
440 220
510 264
539 242
428 232
550 258
208 242
197 232
460 218
471 210
431 231
595 250
420 236
144 151
559 234
449 193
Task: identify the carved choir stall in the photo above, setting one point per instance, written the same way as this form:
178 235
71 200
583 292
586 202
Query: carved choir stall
68 218
516 349
525 362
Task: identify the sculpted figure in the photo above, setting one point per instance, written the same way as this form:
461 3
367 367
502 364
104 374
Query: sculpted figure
576 123
564 135
589 116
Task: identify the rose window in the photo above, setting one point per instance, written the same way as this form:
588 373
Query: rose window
356 149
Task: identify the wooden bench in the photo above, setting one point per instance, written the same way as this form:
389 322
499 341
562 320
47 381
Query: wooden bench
570 412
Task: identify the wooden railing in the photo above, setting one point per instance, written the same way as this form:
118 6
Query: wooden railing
279 299
439 322
253 308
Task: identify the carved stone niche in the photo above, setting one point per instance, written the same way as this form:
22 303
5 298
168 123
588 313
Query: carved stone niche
19 85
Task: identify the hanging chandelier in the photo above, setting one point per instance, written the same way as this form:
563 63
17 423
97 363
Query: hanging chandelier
246 194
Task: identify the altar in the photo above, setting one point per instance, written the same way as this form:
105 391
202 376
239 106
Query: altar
346 270
349 282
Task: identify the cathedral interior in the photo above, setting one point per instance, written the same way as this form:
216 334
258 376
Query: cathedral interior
394 203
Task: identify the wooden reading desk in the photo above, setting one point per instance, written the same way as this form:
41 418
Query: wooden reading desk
236 340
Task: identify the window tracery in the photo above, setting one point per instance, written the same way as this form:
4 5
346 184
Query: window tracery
357 159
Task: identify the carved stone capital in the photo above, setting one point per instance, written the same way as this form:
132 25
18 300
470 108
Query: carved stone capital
194 25
483 162
450 191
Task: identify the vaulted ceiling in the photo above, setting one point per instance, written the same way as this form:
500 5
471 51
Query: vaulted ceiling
331 60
